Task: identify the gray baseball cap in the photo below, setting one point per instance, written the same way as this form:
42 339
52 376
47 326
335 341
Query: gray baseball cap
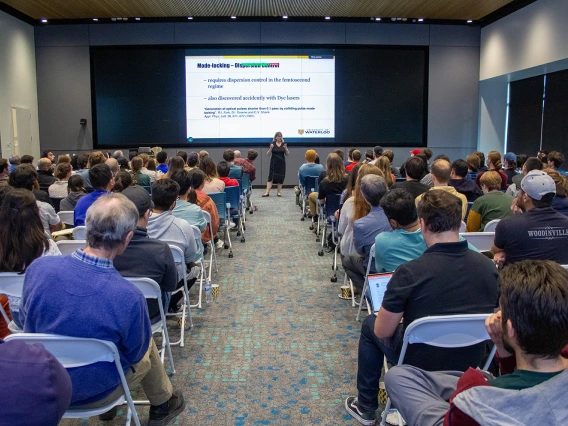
140 197
537 184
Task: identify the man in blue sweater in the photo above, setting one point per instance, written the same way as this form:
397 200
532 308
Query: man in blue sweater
83 295
102 180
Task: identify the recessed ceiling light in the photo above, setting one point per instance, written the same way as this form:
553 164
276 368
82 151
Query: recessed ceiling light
377 19
44 21
285 17
137 19
190 17
233 17
328 17
469 21
420 19
96 19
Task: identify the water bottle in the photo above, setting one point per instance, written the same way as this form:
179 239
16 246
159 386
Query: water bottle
208 294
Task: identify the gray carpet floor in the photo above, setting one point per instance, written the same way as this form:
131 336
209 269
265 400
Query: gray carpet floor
278 346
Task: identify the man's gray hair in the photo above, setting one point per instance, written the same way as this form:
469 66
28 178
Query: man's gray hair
117 154
109 220
373 188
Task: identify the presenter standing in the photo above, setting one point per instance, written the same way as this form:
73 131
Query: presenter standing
277 173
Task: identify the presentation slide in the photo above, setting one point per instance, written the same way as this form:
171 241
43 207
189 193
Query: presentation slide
252 97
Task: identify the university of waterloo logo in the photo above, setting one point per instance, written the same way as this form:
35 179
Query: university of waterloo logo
300 131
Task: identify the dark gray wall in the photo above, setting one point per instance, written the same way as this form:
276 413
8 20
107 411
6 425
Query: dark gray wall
63 73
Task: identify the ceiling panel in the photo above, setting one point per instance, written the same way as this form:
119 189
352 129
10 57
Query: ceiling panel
428 9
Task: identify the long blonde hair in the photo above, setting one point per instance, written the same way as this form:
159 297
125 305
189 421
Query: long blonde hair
361 208
383 163
335 168
560 181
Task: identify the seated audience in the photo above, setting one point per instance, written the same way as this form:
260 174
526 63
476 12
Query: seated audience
223 170
25 177
192 161
76 190
436 283
114 166
542 155
117 154
22 238
236 171
212 181
390 155
458 179
163 225
521 159
30 373
139 178
441 172
207 205
147 257
510 166
378 151
368 157
560 200
427 180
494 163
145 170
555 160
102 181
472 166
493 205
365 229
530 164
49 155
247 163
531 335
356 157
122 181
124 164
203 154
162 159
183 156
482 164
27 159
175 164
56 301
415 169
14 161
186 206
539 233
334 183
349 157
384 166
310 168
45 174
58 189
93 159
3 172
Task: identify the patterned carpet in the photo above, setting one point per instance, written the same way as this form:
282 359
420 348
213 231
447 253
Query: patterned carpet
278 347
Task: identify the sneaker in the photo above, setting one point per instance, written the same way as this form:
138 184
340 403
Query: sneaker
232 225
392 418
366 418
219 244
109 415
161 415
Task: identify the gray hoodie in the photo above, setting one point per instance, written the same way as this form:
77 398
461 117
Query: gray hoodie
166 227
68 203
544 404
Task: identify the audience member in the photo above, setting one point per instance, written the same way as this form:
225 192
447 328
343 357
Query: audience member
531 164
542 155
510 166
365 229
349 157
203 154
207 204
530 333
76 190
441 171
384 166
415 169
58 302
555 160
45 174
122 181
212 181
186 206
124 164
27 159
334 182
494 163
139 178
175 164
560 200
369 157
183 156
356 157
113 166
162 159
49 155
102 181
93 159
378 151
229 157
472 166
25 177
4 169
493 205
151 173
390 155
540 232
192 161
58 189
31 373
482 166
521 159
428 153
310 168
436 283
458 180
22 238
427 179
147 257
117 154
14 161
223 170
247 163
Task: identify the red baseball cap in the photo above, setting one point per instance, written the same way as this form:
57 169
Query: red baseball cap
415 151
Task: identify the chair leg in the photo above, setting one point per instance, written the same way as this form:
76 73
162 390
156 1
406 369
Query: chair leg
362 298
352 292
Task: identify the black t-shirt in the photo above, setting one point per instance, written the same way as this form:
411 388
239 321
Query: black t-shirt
448 279
413 186
539 234
326 187
322 176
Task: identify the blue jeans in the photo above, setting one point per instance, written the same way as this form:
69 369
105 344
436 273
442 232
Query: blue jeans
370 361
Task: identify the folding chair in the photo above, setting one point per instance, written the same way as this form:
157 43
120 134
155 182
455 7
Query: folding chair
450 331
234 201
181 267
203 275
73 352
490 227
311 186
483 241
70 246
236 173
67 217
331 206
220 200
79 233
247 191
12 285
211 243
366 285
151 290
469 204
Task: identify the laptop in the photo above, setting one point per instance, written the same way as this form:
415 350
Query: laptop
377 287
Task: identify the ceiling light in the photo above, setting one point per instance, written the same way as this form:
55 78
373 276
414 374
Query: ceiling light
137 19
420 19
328 17
285 17
96 19
233 17
377 19
44 21
469 21
113 19
190 17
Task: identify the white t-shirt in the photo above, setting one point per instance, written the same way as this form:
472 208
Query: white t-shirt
58 189
47 215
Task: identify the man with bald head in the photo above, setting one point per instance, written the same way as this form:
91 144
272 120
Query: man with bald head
237 153
45 176
114 166
441 172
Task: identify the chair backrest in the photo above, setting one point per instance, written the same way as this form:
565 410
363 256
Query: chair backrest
311 184
220 200
80 233
69 246
233 196
469 204
490 227
332 204
246 182
449 331
148 189
241 191
67 217
149 288
480 240
56 203
371 258
179 259
12 283
236 172
209 224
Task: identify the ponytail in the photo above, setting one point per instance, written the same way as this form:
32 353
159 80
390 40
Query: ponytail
192 196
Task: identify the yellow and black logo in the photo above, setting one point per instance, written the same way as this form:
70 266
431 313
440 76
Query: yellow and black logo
300 131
